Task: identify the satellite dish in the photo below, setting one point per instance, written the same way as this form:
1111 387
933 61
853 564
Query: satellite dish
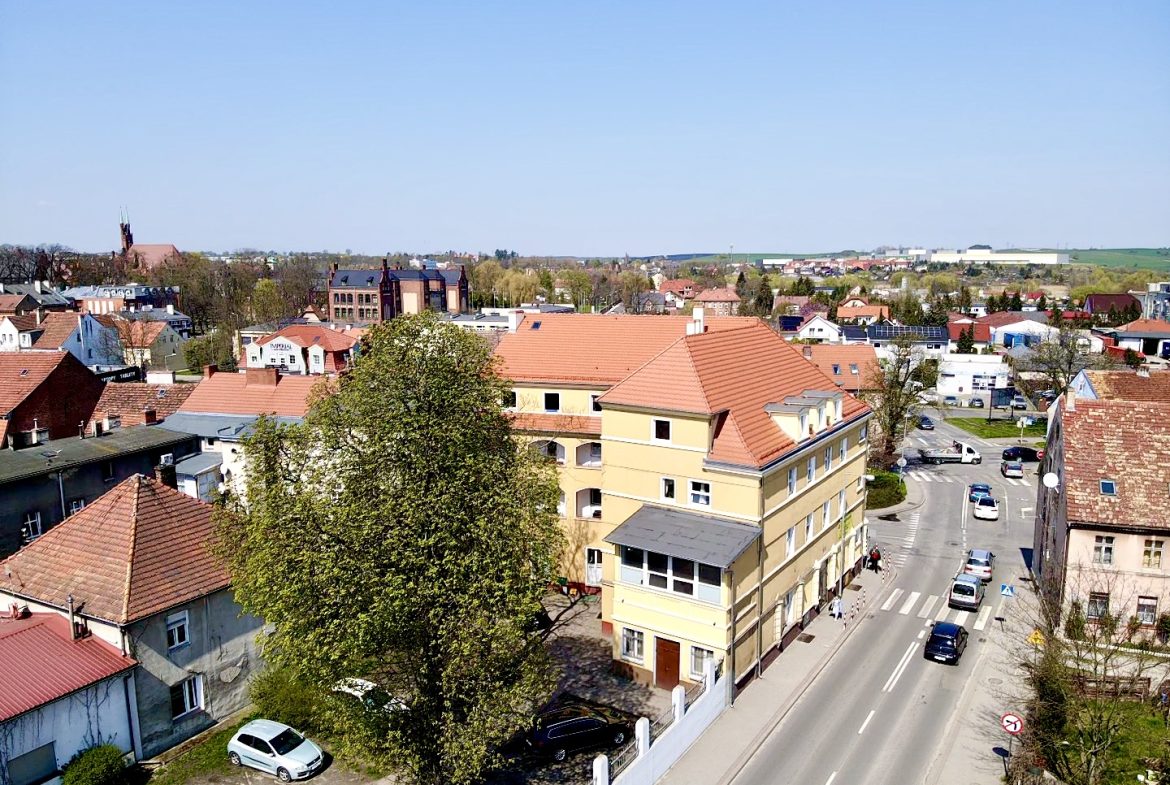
1050 480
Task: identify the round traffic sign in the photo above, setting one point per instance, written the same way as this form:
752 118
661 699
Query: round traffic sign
1012 723
902 462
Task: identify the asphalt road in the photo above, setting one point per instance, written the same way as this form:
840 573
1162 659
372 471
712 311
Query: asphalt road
879 711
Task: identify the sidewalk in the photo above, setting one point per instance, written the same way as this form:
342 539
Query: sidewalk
725 748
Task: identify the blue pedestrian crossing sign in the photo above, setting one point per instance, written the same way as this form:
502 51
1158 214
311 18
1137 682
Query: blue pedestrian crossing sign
1007 590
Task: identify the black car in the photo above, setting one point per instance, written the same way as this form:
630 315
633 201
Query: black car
578 726
1022 454
946 643
925 423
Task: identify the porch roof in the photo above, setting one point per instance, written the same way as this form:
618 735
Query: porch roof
687 535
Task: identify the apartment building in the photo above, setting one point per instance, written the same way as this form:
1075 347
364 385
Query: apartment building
712 481
368 296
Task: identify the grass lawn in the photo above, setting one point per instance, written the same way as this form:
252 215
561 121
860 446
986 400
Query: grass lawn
1142 735
207 757
1140 258
998 429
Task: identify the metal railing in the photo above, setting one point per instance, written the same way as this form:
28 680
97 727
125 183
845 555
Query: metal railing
659 724
622 758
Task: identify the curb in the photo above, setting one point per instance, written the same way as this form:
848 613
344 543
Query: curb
758 740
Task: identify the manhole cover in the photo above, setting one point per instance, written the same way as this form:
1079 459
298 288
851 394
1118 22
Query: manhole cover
805 638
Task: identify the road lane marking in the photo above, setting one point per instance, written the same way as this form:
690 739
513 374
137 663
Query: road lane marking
889 603
942 612
897 669
905 664
921 634
926 606
945 478
861 730
961 617
913 598
984 616
832 777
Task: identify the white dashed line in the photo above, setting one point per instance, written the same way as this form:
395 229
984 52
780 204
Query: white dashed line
889 603
926 606
910 601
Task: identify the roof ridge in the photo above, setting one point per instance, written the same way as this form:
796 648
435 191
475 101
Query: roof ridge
139 479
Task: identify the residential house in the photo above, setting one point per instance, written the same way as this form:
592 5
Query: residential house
714 513
44 395
43 485
818 329
1150 337
1123 385
1155 301
718 302
122 297
972 374
980 334
42 294
852 367
61 694
82 335
1016 328
930 340
1101 534
141 403
135 570
678 292
366 296
789 304
177 320
144 256
149 344
302 349
1112 305
644 303
862 314
17 305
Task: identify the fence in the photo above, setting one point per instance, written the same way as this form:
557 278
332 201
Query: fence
658 744
1117 687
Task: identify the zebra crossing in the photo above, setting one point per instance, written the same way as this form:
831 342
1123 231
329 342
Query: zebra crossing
905 543
922 476
923 607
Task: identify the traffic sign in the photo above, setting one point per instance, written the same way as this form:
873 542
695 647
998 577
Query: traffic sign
1007 590
1036 638
1012 723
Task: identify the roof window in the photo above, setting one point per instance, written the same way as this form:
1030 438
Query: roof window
535 326
1108 488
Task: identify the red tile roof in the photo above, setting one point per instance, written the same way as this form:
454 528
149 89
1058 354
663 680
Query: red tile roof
138 334
1000 318
558 423
152 255
23 323
827 355
982 331
256 391
138 550
864 312
10 302
1102 303
1145 326
57 326
677 286
1124 441
590 349
129 400
23 372
42 663
733 374
1127 385
717 296
306 335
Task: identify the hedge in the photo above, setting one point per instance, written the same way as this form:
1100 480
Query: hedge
101 765
885 490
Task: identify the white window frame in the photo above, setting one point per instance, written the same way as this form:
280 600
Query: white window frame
1093 609
791 480
790 542
810 472
76 506
1152 603
593 405
826 514
695 495
180 624
633 645
864 434
545 402
1103 549
861 483
32 520
1112 488
1152 550
808 528
654 437
192 696
673 496
699 656
843 449
829 459
842 502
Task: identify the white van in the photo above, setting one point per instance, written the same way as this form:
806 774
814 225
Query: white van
966 592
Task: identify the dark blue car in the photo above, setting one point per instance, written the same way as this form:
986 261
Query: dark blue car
977 490
925 423
946 643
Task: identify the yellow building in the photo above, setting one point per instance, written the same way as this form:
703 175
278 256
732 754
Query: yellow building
712 480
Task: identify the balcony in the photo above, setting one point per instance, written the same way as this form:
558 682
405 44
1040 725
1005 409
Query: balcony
589 503
554 451
589 455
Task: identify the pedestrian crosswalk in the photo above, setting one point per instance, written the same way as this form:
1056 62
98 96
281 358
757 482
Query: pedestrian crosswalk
921 476
924 607
903 541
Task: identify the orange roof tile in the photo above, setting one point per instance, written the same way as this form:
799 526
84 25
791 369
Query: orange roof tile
982 332
830 357
10 302
1145 326
591 349
557 423
1127 385
129 400
138 550
56 328
151 255
256 391
306 335
138 334
23 323
864 312
734 374
677 285
717 296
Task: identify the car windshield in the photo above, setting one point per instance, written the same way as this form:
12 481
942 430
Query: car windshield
973 562
986 501
938 641
287 741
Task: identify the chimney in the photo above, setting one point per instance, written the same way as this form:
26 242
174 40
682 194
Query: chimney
209 371
40 315
335 267
807 352
72 619
698 323
1070 400
1 288
1143 372
37 287
149 416
166 474
171 309
261 377
514 319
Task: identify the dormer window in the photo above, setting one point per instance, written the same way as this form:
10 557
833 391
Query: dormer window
1108 488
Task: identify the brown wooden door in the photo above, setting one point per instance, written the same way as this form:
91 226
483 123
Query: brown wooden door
666 663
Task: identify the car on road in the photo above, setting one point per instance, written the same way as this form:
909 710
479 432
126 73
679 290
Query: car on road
925 423
1019 402
986 509
578 726
976 402
951 400
966 592
275 748
1022 454
976 490
980 564
1011 469
946 643
370 694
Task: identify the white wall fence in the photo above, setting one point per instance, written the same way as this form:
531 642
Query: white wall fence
658 745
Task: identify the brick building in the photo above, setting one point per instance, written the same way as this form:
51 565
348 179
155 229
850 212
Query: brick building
44 395
376 295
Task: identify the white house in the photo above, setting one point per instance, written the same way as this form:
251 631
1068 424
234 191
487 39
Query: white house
818 328
966 374
95 344
1025 332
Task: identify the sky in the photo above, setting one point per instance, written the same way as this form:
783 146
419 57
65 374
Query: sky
589 129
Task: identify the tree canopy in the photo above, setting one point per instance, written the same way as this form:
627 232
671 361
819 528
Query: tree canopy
401 534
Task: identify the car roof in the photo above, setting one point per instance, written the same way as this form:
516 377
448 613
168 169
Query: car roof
981 553
985 499
980 485
965 578
265 729
946 629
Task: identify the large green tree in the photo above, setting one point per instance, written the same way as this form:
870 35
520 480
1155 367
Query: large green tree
402 534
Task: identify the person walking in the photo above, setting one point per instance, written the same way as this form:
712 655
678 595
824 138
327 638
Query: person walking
875 559
837 608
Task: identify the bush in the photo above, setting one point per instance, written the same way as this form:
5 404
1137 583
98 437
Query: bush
102 765
279 694
885 490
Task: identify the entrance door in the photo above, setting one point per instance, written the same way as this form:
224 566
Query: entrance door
592 567
666 663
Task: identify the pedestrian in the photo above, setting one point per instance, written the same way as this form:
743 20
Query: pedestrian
875 558
837 608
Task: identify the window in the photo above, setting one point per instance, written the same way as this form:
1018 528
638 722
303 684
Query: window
861 483
186 697
76 506
1147 610
595 452
699 659
808 527
710 581
828 459
811 471
632 642
836 369
841 503
1152 553
853 368
682 575
107 471
657 568
552 402
1103 550
701 493
826 515
593 401
177 630
662 430
595 497
1098 605
38 765
632 563
792 481
864 434
510 399
1108 488
667 488
843 450
803 424
790 541
32 526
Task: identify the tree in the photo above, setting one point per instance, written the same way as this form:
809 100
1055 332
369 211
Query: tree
633 286
580 287
741 285
1042 303
267 302
1016 303
1061 357
966 342
213 348
299 279
485 279
1133 359
401 533
895 397
964 299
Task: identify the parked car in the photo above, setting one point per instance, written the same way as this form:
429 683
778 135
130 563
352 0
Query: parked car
1011 469
951 400
977 489
1022 454
966 592
578 726
986 509
976 402
275 748
1019 402
980 563
1048 396
946 643
925 423
369 693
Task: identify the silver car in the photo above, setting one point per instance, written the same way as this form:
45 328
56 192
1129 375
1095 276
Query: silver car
275 748
980 564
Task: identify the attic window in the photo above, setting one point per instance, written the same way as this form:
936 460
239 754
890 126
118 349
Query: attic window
1108 488
836 369
535 326
853 368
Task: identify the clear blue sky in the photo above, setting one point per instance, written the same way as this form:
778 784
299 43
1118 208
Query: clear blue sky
585 128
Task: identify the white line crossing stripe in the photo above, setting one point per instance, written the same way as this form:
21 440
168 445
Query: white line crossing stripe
942 612
889 603
910 601
984 616
961 617
926 606
945 478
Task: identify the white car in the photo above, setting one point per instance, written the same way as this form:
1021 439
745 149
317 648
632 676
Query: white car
986 509
275 748
369 694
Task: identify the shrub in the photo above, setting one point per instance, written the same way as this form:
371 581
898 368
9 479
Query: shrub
1074 623
885 490
101 765
279 694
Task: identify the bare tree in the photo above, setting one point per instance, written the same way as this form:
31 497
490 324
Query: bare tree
1061 357
896 398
